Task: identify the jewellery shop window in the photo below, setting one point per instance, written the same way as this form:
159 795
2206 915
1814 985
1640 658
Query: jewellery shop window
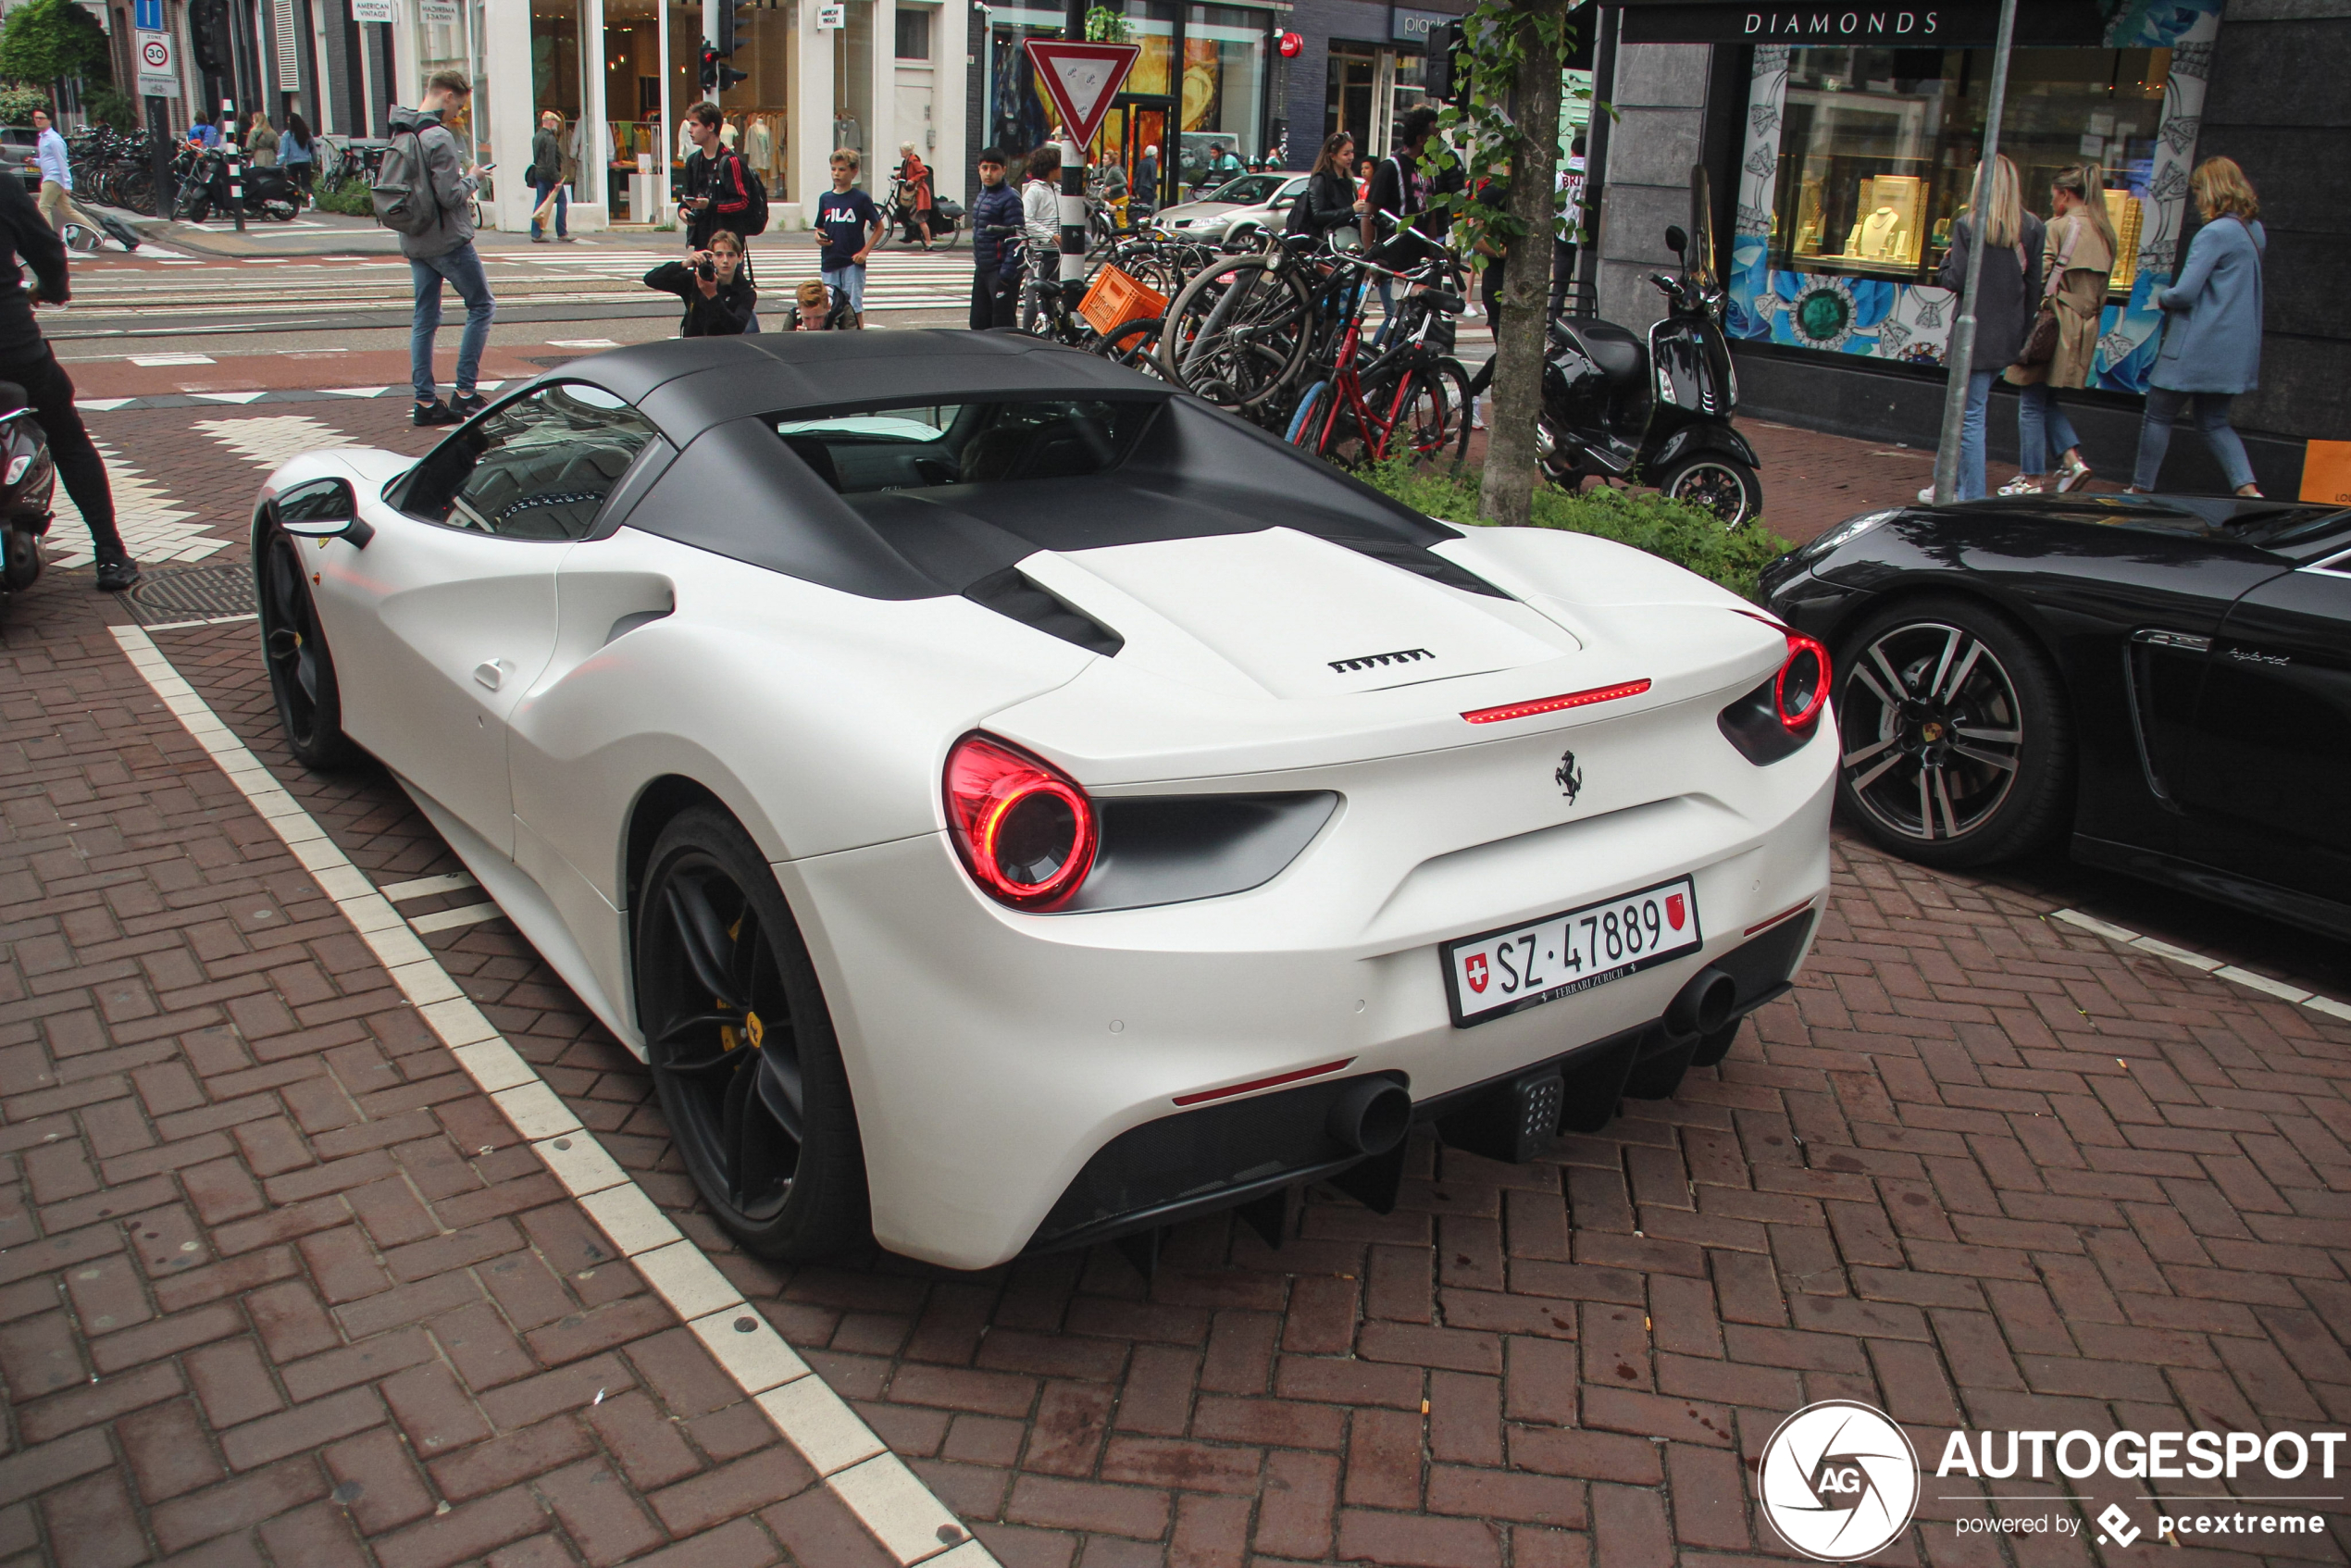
1877 147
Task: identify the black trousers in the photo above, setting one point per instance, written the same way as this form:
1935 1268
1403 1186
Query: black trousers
995 300
50 391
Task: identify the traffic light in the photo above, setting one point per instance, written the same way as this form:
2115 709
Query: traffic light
730 21
1446 79
717 74
209 37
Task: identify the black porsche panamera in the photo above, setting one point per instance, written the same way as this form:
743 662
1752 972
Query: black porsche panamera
2167 678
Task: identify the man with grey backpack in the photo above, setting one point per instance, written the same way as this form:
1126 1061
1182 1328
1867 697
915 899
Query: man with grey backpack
424 193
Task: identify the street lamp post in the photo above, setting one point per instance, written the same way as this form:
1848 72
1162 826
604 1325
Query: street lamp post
1961 355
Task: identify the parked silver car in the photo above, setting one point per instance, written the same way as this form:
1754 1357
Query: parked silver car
1252 200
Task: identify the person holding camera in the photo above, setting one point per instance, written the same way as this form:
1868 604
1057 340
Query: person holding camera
720 299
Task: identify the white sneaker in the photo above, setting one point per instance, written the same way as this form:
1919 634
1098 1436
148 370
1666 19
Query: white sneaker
1927 495
2023 484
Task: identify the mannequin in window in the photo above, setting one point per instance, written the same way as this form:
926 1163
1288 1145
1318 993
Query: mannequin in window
758 147
1873 236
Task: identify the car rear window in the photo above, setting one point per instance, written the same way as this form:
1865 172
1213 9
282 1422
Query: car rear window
921 446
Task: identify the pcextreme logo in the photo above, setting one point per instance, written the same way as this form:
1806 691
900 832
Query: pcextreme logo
1839 1480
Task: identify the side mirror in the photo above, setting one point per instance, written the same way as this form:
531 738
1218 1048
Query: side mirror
1675 239
322 510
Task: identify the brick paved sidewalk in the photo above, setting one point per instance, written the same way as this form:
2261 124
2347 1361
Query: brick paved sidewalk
1982 1170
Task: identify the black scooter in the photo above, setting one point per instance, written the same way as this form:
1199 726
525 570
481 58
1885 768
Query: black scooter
1658 411
270 192
27 480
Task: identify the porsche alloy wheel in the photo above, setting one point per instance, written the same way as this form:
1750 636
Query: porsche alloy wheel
302 668
1955 748
741 1046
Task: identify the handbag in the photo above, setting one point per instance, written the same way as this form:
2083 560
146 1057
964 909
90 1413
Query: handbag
2040 343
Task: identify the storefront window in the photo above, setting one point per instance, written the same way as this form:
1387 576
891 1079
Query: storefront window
765 51
1018 120
1856 160
1354 69
1223 87
559 82
1877 147
631 154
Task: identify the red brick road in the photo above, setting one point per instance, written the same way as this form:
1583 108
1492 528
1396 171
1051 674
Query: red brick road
279 1285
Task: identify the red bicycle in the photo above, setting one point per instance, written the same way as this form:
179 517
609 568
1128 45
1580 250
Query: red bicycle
1408 396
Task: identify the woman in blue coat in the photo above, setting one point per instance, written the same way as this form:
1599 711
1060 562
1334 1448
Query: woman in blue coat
2212 342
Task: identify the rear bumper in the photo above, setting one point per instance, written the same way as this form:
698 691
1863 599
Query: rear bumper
995 1055
1242 1152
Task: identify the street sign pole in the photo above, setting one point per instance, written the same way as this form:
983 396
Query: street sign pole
1081 78
159 144
1074 180
229 131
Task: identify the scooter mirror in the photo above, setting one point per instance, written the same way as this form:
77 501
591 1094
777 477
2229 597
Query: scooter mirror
1675 239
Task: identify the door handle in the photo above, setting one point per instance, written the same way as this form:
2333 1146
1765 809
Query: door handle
490 672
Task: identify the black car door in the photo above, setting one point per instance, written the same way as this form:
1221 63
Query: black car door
2269 756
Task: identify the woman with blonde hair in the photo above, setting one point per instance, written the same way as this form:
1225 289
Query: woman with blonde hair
2212 332
261 141
915 189
2008 296
2077 262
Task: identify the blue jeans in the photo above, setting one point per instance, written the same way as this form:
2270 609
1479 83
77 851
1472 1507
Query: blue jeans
2043 432
461 268
563 208
850 281
2211 417
1979 398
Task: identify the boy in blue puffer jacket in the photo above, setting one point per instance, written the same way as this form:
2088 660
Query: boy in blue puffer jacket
995 257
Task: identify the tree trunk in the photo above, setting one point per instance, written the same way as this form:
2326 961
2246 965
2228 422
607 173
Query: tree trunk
1506 492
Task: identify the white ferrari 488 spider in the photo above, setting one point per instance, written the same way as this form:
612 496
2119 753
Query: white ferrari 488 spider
1012 805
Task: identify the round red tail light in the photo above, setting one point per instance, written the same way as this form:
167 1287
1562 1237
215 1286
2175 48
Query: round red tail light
1802 688
1025 831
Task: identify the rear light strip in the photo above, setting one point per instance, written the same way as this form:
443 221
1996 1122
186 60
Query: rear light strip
1554 705
1274 1082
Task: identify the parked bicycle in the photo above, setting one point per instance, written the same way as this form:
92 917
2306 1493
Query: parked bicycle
1409 395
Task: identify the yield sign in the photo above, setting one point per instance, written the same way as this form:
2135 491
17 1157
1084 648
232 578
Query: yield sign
1081 78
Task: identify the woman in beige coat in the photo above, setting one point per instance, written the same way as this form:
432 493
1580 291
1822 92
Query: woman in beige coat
2077 261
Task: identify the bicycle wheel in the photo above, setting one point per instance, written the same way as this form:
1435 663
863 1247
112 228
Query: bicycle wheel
1133 344
1306 425
1438 411
1238 332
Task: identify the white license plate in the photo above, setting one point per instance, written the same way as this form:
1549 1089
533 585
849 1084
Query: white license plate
1506 971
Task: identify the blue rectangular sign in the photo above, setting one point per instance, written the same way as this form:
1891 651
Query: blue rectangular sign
146 16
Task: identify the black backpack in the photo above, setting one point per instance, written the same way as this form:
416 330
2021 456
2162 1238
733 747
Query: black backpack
754 216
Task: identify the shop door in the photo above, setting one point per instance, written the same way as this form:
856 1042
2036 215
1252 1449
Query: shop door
1135 123
1353 80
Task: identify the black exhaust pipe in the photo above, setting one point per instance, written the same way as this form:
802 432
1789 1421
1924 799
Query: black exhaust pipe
1704 1005
1371 1116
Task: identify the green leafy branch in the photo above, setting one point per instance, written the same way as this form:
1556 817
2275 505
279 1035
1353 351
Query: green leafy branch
1477 137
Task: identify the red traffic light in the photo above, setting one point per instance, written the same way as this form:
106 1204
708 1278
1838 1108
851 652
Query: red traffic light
1290 45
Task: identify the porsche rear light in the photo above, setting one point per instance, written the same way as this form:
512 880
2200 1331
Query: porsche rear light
1025 831
1802 685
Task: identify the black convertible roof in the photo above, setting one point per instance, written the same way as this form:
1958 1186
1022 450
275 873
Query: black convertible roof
734 488
686 385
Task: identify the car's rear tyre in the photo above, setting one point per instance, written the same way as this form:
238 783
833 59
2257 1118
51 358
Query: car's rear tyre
301 668
1958 746
1723 486
741 1046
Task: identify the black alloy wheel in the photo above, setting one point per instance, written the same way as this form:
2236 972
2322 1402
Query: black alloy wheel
741 1046
1957 746
1724 486
301 668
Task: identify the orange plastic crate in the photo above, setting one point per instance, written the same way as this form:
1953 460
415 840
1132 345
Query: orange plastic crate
1115 298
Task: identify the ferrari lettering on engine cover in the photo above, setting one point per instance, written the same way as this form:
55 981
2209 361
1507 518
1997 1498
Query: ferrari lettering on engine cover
1374 661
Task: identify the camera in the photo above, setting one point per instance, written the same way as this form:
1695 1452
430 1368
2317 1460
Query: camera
708 270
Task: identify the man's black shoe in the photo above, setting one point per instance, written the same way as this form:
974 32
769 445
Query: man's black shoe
467 404
435 413
116 576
